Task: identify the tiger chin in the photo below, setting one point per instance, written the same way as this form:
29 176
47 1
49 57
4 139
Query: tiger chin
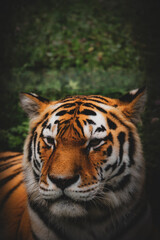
82 174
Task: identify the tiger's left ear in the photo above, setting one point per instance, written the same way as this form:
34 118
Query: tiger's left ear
33 104
132 104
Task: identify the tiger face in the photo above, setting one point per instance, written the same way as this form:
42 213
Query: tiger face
83 152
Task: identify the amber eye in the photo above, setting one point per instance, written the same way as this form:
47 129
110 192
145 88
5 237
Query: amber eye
49 140
94 142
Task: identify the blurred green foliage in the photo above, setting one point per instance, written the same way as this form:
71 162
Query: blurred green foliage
81 34
66 48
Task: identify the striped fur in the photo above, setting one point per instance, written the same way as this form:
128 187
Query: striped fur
83 169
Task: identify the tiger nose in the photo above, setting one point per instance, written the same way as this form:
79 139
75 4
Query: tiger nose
63 182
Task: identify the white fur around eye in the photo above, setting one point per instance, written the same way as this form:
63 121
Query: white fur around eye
47 132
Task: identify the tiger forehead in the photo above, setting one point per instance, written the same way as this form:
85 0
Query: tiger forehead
77 119
78 110
73 105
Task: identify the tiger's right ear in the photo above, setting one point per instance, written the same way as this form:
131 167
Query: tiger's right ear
32 104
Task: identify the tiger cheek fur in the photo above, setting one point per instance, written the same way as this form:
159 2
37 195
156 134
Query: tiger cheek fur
83 166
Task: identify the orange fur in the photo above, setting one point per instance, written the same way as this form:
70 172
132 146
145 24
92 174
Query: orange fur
67 160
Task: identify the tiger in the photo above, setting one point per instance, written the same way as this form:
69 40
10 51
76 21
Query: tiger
81 174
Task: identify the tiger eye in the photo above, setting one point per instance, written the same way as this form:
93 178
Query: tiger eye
94 142
50 140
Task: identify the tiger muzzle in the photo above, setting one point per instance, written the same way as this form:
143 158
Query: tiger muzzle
64 182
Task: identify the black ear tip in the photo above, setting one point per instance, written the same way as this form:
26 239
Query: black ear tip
129 97
126 98
142 89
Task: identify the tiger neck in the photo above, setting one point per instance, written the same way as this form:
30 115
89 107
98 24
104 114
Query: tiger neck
102 224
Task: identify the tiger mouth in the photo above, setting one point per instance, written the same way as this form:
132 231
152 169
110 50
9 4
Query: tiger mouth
67 200
87 204
59 199
65 207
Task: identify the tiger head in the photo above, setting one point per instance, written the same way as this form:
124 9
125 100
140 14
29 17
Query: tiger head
83 152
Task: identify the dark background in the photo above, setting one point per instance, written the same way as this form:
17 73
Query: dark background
59 48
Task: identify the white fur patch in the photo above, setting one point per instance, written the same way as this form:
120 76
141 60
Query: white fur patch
65 208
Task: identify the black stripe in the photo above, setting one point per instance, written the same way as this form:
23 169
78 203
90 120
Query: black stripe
58 127
34 141
109 166
95 100
69 105
109 137
79 103
43 127
79 125
120 171
63 130
36 164
111 124
88 112
121 139
7 179
30 149
120 185
114 166
8 158
98 108
104 160
68 99
100 129
61 113
84 122
45 116
64 122
18 169
90 121
56 122
99 97
32 134
9 194
120 121
76 131
63 105
36 176
42 99
130 139
38 149
10 162
131 148
71 111
88 105
3 168
49 126
44 123
109 151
